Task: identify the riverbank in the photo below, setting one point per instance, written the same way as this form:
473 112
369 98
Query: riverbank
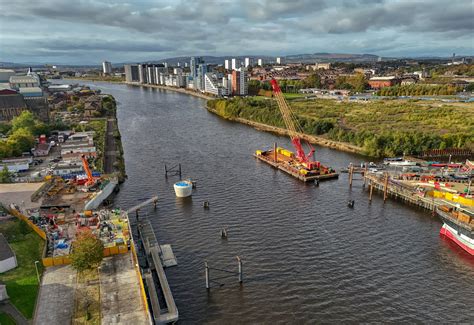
178 90
379 129
347 147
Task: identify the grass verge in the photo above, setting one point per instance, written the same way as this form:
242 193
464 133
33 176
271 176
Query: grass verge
22 284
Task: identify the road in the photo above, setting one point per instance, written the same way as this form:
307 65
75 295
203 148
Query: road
110 147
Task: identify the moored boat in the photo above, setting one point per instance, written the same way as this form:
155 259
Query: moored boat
398 162
458 226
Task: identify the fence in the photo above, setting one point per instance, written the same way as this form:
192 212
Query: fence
64 260
20 216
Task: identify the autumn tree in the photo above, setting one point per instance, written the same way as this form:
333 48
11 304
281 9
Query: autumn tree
87 251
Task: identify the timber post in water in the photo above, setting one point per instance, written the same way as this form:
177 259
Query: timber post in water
371 191
351 174
173 171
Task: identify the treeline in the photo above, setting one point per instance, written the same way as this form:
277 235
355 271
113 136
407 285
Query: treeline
265 111
21 133
356 83
389 144
419 90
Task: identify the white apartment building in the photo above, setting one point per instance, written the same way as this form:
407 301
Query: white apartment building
106 67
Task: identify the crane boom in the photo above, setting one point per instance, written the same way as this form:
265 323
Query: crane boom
85 164
294 128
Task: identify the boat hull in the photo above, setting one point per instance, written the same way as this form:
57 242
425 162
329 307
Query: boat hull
102 195
461 240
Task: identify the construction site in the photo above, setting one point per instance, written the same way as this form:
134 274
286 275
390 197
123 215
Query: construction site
300 165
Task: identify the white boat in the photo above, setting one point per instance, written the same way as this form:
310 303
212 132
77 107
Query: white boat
183 188
98 197
399 162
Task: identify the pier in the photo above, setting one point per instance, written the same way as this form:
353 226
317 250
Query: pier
398 190
158 257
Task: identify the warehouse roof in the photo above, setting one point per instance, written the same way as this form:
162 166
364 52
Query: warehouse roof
22 79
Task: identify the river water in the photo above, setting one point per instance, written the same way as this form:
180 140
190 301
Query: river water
307 257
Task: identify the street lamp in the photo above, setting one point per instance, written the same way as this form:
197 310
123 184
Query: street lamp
37 272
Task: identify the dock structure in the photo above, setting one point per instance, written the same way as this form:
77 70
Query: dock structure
158 257
143 204
269 159
400 191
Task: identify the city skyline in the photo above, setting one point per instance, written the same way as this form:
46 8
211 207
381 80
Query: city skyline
88 32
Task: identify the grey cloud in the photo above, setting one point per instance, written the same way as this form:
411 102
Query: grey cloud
99 45
233 26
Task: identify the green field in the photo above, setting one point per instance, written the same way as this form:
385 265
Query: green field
380 127
21 282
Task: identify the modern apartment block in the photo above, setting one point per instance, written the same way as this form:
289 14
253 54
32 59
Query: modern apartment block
106 67
239 82
248 62
201 77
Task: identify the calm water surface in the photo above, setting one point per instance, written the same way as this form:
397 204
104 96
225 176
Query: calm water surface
307 257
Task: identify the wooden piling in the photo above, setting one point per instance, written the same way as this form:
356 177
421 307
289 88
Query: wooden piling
275 154
385 187
371 191
207 275
240 269
365 175
351 174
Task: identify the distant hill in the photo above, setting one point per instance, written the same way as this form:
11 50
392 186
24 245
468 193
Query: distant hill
303 58
332 57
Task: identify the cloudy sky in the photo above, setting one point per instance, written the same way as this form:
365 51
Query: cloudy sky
90 31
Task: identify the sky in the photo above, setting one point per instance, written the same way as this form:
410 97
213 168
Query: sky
90 31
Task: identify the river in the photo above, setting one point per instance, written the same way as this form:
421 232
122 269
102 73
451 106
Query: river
307 257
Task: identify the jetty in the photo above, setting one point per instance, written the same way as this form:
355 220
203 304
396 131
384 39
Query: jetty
411 193
158 257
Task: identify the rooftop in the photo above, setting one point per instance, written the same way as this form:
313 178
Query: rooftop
383 78
22 79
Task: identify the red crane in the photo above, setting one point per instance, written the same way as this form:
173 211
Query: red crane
294 128
85 165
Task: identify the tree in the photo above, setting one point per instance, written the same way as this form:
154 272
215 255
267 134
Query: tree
5 175
21 140
312 81
87 251
25 120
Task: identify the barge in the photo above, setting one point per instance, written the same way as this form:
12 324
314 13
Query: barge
285 161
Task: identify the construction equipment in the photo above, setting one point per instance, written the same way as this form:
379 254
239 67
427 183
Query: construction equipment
294 128
300 165
90 179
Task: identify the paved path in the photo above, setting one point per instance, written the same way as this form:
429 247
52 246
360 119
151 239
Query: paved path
110 147
121 301
8 308
56 298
